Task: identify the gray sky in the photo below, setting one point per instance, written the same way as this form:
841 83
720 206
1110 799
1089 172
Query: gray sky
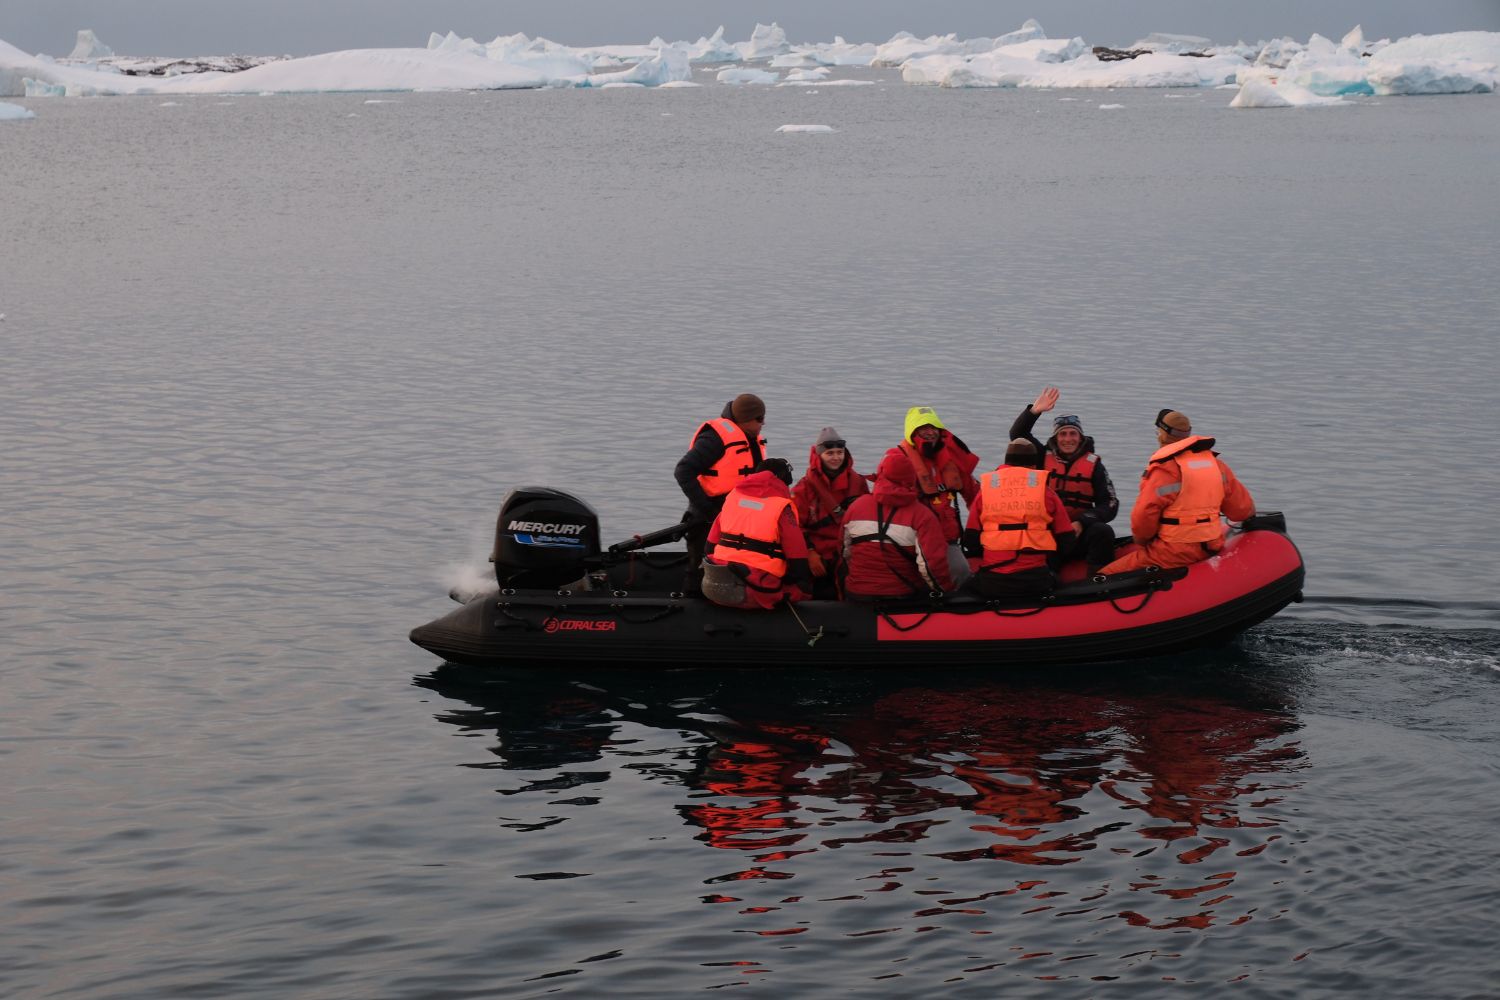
301 27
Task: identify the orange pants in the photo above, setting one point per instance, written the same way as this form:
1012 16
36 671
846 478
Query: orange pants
1167 555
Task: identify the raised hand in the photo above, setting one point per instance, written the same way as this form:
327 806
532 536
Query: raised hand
1046 401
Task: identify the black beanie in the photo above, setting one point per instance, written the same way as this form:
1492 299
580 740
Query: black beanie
778 467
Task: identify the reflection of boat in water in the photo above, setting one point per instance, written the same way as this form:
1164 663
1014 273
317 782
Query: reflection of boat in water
1178 764
560 599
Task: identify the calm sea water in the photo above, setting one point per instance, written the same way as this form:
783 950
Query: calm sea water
270 363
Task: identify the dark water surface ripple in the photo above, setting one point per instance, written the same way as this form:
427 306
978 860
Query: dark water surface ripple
270 363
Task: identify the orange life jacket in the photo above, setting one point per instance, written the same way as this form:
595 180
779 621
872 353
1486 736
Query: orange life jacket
737 462
942 489
750 532
1013 511
1074 482
1193 514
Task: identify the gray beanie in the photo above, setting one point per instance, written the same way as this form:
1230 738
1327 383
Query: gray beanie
828 437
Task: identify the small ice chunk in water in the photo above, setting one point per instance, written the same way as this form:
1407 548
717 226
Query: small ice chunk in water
1110 107
14 112
809 129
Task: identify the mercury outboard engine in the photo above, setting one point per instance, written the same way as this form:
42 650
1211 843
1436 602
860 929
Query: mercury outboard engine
543 538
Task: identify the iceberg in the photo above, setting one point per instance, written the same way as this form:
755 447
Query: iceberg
669 65
89 47
1260 93
712 49
766 41
1051 50
999 69
842 53
40 88
1460 62
14 113
1159 41
808 129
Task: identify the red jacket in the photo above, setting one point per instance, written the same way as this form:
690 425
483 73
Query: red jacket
912 558
942 478
821 503
762 589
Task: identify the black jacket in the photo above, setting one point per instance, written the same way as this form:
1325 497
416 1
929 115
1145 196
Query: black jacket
705 453
1106 504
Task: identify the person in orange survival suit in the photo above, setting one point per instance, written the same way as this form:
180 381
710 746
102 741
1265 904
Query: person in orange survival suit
1184 490
757 556
723 452
822 495
945 471
1015 523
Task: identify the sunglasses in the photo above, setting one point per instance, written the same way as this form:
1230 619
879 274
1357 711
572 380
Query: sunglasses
833 446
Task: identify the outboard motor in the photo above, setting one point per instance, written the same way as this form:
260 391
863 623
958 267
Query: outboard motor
543 538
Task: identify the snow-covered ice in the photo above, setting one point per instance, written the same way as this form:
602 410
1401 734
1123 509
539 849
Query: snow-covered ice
1285 72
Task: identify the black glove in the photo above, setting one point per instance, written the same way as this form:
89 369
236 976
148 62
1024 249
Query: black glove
971 545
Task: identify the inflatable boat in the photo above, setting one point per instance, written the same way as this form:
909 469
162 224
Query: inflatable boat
560 599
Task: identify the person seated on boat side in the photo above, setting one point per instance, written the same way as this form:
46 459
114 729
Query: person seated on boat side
723 452
1017 521
1184 490
893 544
1076 473
757 556
944 468
822 495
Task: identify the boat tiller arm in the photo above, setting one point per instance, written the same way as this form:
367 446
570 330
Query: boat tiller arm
658 537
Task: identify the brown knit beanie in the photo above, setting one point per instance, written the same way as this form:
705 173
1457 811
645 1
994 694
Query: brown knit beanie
1021 452
747 407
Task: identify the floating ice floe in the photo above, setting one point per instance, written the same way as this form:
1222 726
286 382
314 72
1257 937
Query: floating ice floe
1257 93
14 112
746 75
1110 107
808 129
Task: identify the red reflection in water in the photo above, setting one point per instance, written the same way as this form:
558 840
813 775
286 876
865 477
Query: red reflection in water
1040 779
